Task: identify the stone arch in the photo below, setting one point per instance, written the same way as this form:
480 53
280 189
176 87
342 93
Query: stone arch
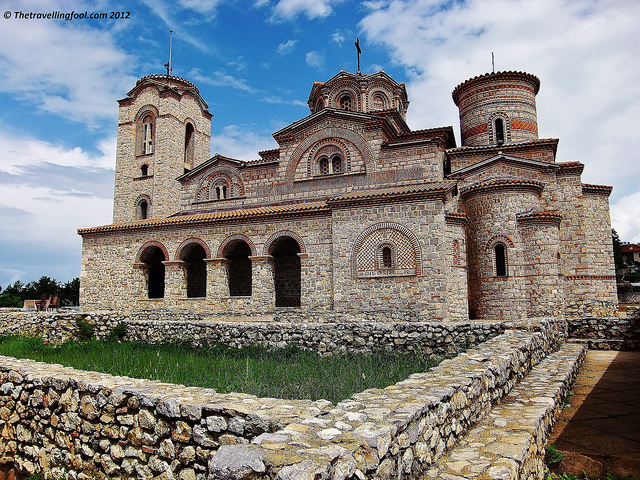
383 95
406 248
234 238
182 250
152 256
352 91
146 246
233 181
325 145
142 207
146 109
287 269
498 239
283 233
338 134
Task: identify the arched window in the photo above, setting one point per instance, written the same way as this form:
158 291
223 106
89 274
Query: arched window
287 276
142 207
146 146
189 147
196 271
152 259
501 260
499 126
387 260
323 166
336 164
239 270
326 167
319 105
378 102
144 210
144 170
345 102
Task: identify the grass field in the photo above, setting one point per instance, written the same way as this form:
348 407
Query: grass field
289 373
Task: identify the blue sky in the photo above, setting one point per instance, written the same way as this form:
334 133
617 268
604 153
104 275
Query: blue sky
255 62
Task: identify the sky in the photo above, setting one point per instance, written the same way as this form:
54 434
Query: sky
255 61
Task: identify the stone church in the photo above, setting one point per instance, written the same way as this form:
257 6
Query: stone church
354 212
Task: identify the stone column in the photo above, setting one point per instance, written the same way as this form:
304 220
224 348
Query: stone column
141 277
217 278
305 281
175 280
263 289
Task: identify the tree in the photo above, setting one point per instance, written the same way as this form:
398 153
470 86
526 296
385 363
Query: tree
618 259
16 293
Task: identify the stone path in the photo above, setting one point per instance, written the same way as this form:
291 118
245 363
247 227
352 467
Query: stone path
600 432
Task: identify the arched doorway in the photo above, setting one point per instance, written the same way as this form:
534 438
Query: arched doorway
239 270
153 257
193 255
286 272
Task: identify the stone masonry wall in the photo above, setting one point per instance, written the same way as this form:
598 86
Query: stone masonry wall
324 333
59 420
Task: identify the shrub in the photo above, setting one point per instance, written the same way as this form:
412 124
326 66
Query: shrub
118 332
84 330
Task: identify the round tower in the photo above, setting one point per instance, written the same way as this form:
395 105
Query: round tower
164 130
497 108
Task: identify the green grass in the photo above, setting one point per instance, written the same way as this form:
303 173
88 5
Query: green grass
289 373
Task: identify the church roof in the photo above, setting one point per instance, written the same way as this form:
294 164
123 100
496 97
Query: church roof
177 85
204 218
497 76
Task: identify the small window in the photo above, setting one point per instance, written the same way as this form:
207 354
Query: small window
221 191
324 166
387 261
147 135
336 164
499 131
345 102
144 170
501 260
319 105
189 147
144 210
378 102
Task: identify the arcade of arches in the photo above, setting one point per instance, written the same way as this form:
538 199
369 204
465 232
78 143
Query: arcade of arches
194 271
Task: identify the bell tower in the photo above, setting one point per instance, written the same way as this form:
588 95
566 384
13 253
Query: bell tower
164 130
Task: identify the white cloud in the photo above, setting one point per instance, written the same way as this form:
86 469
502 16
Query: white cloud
338 38
285 48
241 143
77 75
220 78
289 9
315 59
625 217
585 54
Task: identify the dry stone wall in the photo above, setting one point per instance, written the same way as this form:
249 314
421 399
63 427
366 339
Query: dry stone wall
88 425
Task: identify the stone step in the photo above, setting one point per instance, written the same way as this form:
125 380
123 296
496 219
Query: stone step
608 343
509 443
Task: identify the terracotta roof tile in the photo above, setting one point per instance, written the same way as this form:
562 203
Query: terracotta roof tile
505 146
208 217
502 182
392 191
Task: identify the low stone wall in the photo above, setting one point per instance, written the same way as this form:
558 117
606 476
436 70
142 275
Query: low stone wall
323 333
606 333
56 419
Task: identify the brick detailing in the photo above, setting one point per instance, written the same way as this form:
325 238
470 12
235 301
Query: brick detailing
207 189
499 239
359 144
368 247
233 238
482 128
524 125
590 277
184 247
148 245
328 147
596 189
283 233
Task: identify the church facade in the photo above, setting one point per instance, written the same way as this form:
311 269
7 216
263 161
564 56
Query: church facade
354 212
